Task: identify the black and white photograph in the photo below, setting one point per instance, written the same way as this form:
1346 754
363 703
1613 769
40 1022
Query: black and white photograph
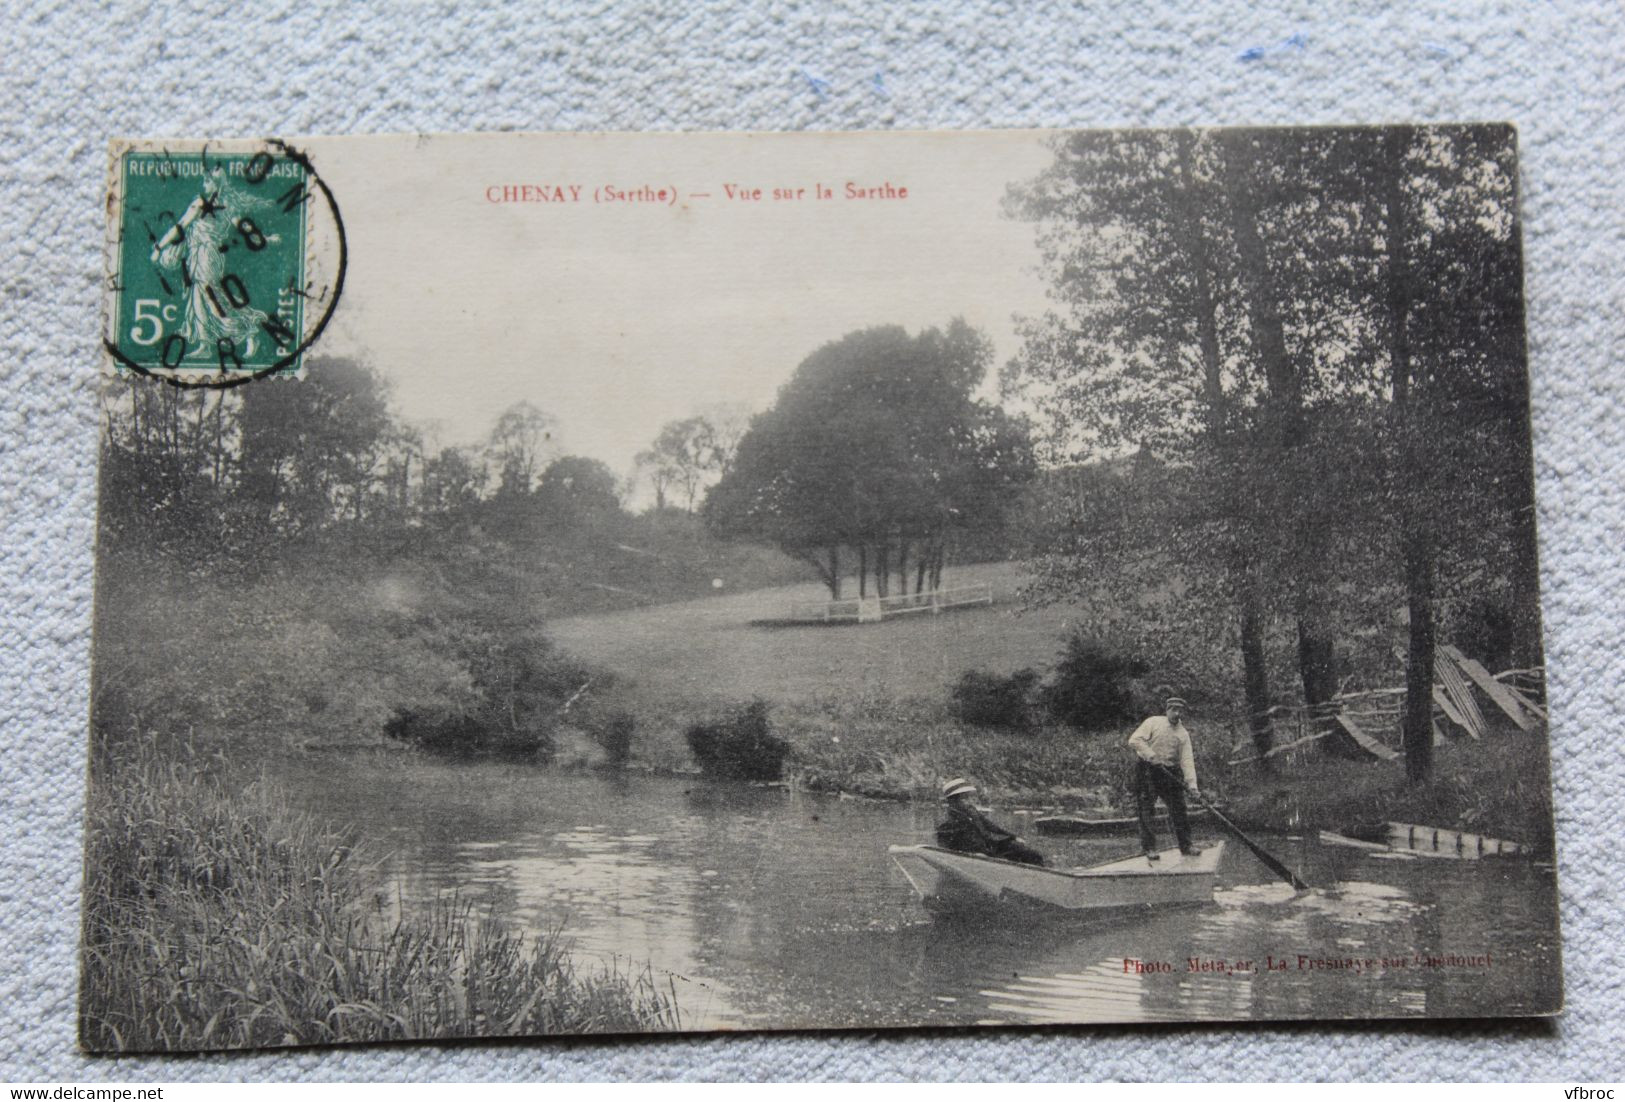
558 584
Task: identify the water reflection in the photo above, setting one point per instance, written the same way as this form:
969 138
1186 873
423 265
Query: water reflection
772 908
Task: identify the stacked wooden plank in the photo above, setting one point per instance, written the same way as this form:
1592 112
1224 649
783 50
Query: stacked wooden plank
1371 721
1503 697
1528 688
1374 747
1454 695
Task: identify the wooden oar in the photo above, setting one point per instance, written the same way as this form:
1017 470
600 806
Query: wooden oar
1270 861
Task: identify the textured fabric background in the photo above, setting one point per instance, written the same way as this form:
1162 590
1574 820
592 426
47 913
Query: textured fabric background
73 75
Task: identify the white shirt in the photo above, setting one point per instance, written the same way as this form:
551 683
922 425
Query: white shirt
1164 743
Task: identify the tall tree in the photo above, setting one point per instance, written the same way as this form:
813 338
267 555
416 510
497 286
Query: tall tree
1146 346
726 424
690 454
169 466
647 465
520 443
311 452
1453 318
1415 537
453 483
682 455
877 443
1264 172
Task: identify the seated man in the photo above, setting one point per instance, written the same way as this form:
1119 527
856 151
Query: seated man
967 830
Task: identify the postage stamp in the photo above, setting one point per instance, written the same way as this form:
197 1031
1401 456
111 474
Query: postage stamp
225 260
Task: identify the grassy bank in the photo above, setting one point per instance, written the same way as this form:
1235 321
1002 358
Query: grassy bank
217 918
1500 787
904 749
866 746
868 711
1044 767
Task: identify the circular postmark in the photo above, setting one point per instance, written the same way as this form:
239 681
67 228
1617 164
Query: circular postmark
226 261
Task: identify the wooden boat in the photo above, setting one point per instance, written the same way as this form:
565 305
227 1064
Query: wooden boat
1412 840
1452 843
1076 826
1374 849
951 883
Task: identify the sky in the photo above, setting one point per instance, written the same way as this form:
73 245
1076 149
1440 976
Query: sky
469 292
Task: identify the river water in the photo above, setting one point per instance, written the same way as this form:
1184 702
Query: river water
769 908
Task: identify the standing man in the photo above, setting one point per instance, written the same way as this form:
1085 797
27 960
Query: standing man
967 830
1163 746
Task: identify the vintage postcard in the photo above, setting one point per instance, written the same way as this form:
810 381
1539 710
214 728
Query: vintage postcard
634 583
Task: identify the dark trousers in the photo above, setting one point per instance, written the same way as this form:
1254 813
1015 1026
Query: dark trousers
1150 782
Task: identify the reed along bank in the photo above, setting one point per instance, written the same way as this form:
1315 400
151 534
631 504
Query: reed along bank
216 917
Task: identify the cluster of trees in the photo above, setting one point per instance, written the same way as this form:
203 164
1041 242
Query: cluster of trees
879 446
292 560
289 560
220 475
1314 339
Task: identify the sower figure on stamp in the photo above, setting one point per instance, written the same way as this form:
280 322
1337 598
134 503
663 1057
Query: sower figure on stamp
1166 768
196 245
967 830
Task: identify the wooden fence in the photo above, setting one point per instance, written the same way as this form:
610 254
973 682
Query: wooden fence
868 610
1371 720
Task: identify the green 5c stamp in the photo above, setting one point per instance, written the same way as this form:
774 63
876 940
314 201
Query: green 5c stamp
226 261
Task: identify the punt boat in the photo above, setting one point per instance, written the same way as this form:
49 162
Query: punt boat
1412 840
1080 827
963 884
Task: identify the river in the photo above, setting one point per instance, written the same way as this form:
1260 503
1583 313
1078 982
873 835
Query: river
771 908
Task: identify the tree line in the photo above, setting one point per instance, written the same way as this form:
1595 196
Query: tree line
1314 339
218 475
292 560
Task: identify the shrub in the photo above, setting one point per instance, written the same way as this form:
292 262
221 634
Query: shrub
614 733
520 684
991 700
740 746
1092 687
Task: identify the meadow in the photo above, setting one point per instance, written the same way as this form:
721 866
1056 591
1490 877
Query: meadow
866 708
867 711
713 648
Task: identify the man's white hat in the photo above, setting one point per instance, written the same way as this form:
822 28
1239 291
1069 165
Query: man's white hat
1175 702
959 786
